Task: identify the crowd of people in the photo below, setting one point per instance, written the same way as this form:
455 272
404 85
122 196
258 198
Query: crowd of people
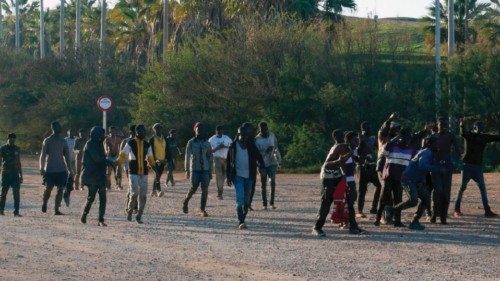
396 161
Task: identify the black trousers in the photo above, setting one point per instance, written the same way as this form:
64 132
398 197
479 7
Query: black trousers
394 188
327 200
93 190
414 191
442 191
368 174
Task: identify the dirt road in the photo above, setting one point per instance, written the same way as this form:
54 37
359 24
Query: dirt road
174 246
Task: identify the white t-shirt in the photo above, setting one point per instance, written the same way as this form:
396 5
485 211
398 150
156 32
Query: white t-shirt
215 141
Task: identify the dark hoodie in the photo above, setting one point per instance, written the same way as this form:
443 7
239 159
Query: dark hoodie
94 159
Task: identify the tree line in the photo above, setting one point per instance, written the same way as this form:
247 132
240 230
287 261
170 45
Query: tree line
299 65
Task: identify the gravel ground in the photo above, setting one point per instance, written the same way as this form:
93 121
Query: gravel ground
277 245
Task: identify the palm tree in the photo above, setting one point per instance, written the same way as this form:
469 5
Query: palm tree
466 13
1 23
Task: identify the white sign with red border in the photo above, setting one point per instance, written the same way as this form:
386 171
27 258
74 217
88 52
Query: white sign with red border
104 103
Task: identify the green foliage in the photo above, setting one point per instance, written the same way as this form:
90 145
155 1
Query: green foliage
39 92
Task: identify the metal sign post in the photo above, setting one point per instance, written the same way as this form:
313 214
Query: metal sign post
104 103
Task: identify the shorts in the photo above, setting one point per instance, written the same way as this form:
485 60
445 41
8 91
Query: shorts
55 179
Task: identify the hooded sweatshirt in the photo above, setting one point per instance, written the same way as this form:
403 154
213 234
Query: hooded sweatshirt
94 159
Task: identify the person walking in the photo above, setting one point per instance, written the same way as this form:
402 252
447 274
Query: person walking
94 173
112 147
267 143
140 155
173 151
220 145
54 166
12 173
475 143
126 167
159 147
242 161
198 167
78 150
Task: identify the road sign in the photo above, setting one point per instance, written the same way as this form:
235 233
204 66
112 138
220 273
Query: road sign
104 103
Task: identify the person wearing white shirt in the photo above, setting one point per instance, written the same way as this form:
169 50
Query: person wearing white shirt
220 145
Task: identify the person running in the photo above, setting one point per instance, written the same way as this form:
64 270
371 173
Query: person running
220 144
173 151
475 143
94 173
78 149
198 167
126 166
139 154
267 143
159 146
12 173
54 166
331 175
398 153
367 170
413 182
112 148
242 161
441 181
71 141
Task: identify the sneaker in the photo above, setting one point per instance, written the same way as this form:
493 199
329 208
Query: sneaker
383 221
58 213
220 197
318 232
433 219
83 219
101 223
185 208
273 207
376 223
153 194
242 226
66 200
416 226
173 183
161 193
490 214
203 213
17 215
373 211
129 216
356 231
360 215
2 213
399 224
443 221
264 208
457 213
44 208
139 221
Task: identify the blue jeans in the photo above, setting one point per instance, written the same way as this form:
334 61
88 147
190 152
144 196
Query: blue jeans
243 189
475 173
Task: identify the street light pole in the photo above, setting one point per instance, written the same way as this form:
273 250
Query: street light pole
42 31
437 86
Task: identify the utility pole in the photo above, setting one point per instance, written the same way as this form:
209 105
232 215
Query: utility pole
165 30
103 24
437 86
78 24
451 28
61 29
42 31
1 23
18 32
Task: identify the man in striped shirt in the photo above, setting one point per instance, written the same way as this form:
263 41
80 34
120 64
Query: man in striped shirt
398 154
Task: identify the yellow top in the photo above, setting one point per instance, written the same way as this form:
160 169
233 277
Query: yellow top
159 147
